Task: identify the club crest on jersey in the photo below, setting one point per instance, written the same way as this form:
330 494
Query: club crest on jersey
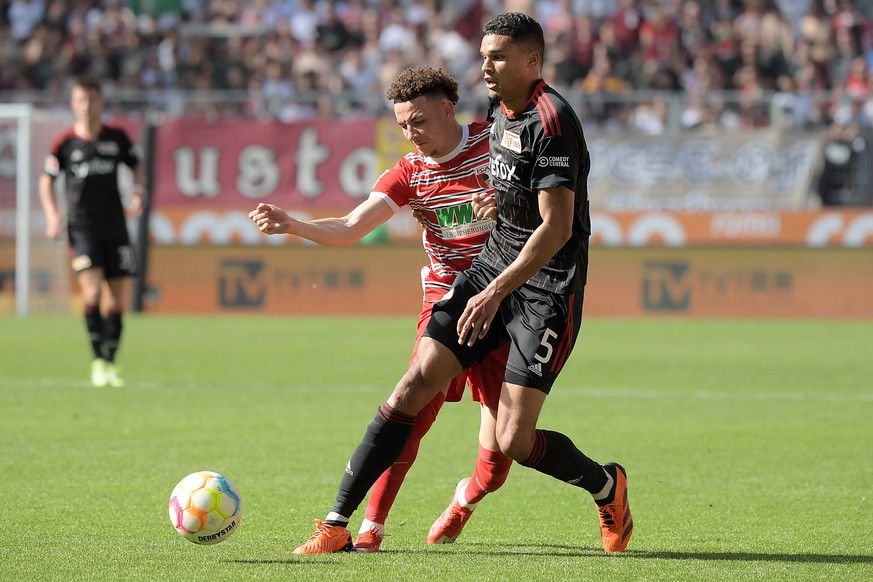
107 148
52 165
511 141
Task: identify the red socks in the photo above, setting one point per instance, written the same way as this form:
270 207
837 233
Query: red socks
492 468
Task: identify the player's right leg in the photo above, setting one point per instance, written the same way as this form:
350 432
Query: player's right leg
385 490
489 474
386 435
90 279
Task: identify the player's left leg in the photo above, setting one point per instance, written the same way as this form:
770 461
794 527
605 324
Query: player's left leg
536 357
90 280
113 296
120 266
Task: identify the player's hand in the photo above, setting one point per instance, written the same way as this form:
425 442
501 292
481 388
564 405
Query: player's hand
485 205
53 226
270 219
418 215
476 319
135 208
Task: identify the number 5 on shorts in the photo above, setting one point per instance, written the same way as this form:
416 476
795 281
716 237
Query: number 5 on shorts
548 336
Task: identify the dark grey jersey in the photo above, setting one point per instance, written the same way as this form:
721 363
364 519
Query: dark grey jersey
90 169
540 147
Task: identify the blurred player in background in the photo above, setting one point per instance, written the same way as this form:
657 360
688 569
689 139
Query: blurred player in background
88 155
525 287
438 182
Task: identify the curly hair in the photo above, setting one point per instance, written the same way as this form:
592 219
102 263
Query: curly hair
417 81
521 28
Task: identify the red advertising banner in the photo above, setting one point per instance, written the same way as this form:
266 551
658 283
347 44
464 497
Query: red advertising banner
236 163
209 175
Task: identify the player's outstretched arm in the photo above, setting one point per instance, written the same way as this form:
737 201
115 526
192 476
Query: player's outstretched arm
335 231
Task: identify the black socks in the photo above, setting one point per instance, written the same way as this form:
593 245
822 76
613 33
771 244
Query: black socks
382 443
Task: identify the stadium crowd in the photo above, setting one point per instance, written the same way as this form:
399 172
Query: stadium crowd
729 59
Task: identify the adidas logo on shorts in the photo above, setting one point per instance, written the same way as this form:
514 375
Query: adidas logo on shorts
536 369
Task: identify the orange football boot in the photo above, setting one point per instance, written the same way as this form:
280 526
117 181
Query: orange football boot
448 526
369 541
616 521
327 539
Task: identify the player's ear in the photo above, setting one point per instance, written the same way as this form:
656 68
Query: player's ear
448 108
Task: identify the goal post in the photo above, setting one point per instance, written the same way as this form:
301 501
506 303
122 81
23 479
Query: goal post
23 114
38 266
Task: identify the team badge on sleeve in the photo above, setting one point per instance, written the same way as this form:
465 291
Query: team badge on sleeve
52 166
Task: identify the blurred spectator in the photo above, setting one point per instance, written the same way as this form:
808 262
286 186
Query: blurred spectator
846 161
24 16
281 50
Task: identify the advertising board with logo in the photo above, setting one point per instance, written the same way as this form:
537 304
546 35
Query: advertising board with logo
624 282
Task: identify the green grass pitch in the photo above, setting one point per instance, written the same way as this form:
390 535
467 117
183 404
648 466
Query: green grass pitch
748 445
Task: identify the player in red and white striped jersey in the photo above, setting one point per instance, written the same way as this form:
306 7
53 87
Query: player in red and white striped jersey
437 181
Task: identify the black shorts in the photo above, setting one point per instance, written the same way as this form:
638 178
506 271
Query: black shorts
541 327
115 257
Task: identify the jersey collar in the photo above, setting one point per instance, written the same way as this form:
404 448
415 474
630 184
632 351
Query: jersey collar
541 84
465 134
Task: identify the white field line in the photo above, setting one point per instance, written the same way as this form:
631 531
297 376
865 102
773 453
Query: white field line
560 392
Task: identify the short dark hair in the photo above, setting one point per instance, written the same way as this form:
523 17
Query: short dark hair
521 28
414 82
88 83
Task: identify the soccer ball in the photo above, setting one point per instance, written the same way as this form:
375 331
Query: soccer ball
205 508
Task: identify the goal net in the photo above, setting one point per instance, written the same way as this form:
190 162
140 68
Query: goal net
34 271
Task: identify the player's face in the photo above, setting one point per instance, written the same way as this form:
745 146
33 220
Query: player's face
509 69
86 104
427 124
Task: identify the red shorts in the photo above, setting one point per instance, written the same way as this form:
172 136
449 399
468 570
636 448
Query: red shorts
485 378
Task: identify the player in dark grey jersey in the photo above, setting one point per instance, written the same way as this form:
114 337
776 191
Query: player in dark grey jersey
88 155
525 288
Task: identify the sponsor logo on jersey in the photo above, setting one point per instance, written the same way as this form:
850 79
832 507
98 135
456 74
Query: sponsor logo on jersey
468 230
501 170
554 161
107 148
77 156
511 141
95 167
459 221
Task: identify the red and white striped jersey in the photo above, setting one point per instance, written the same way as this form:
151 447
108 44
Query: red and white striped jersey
441 189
